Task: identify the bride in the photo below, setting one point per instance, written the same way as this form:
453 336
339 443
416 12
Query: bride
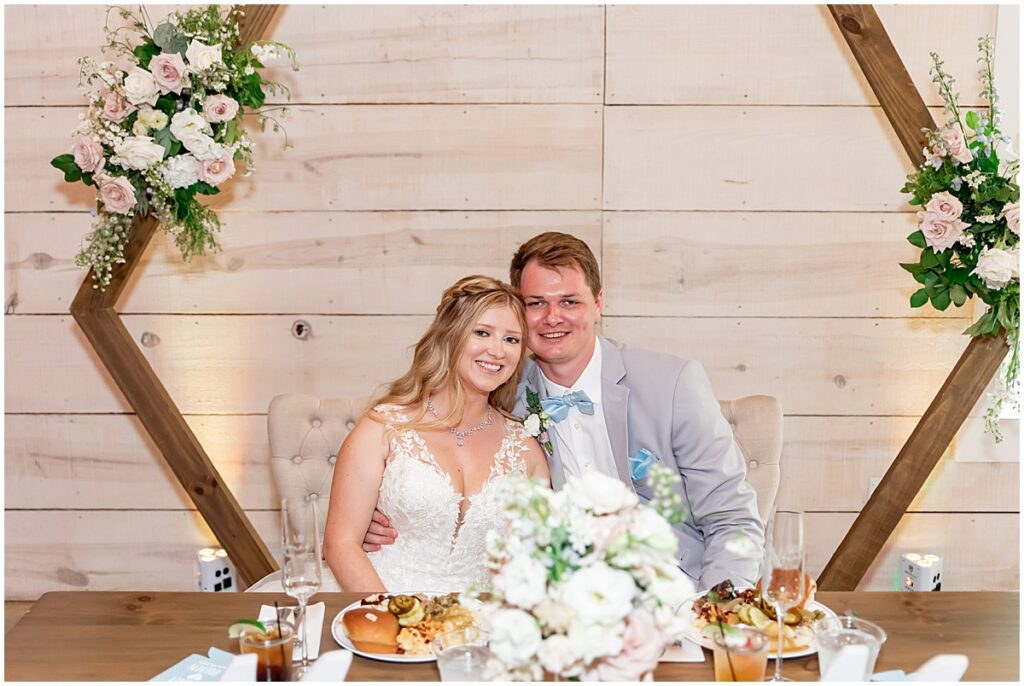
431 451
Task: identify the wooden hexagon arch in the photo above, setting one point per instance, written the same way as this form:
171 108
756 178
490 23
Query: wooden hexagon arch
903 106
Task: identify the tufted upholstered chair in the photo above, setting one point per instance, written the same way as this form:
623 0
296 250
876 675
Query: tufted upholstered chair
305 433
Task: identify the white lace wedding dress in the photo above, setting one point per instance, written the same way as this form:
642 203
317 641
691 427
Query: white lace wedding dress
436 549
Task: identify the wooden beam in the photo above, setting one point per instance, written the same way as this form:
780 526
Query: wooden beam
908 115
885 73
94 312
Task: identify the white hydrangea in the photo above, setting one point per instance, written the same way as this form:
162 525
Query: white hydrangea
180 171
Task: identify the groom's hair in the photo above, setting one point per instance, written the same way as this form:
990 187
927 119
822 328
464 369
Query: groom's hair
553 249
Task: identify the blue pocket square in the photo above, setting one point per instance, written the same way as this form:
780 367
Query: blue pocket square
640 465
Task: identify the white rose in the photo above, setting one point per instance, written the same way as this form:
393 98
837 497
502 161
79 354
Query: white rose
996 267
153 119
140 87
201 57
1011 213
532 425
590 641
138 152
189 123
599 493
556 656
515 637
523 581
181 171
600 594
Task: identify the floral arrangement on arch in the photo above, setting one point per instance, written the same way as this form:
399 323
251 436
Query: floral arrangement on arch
969 227
584 581
164 126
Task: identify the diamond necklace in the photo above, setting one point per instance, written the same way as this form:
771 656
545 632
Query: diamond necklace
461 436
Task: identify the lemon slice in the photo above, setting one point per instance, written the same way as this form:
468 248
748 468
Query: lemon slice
245 626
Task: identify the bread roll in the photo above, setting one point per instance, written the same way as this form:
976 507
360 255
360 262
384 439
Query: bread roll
371 631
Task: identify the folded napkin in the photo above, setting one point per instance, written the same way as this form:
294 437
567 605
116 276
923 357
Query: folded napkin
684 651
332 666
315 618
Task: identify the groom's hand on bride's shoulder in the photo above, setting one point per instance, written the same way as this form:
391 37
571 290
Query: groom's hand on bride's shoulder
379 533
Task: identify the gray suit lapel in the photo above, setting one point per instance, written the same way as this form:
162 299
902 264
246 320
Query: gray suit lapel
536 383
614 397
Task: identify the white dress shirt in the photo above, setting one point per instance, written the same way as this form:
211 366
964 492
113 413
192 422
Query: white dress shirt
582 439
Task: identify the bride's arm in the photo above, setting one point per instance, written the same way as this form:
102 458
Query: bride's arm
536 463
354 491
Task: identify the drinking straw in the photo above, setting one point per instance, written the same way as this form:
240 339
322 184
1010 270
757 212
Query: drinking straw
280 631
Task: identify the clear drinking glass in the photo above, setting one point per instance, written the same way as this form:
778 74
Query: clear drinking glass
832 634
782 582
273 650
740 655
301 572
461 656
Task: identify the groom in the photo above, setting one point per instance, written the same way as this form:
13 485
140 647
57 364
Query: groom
621 409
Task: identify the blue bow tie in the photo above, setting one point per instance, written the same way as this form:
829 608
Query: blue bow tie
558 408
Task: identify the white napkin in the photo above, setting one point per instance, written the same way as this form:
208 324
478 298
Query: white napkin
315 618
848 665
950 667
332 666
241 668
684 651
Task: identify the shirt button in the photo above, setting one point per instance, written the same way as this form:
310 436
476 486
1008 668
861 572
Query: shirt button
350 425
576 425
753 464
297 459
316 423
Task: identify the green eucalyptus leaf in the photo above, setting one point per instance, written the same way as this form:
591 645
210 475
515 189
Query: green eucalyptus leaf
972 120
919 298
917 239
163 35
929 259
958 294
940 299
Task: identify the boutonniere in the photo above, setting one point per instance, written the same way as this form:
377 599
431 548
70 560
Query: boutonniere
537 421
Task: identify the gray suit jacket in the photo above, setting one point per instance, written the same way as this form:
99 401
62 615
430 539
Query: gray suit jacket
666 405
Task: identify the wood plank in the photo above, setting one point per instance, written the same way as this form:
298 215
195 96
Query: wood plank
210 364
154 550
14 610
764 264
813 366
885 73
350 262
367 157
732 54
360 54
828 464
915 461
108 550
983 556
752 159
108 462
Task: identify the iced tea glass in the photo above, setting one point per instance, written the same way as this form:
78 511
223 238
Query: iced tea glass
273 650
741 654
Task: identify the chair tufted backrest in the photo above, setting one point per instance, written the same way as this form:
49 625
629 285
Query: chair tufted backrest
305 434
756 422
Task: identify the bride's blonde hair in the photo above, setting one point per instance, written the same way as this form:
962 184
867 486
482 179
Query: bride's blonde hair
436 356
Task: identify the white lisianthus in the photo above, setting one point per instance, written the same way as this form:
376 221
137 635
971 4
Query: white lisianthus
532 425
140 87
153 119
590 641
652 530
202 57
523 581
595 492
180 171
997 268
600 594
515 637
138 152
188 123
205 148
139 128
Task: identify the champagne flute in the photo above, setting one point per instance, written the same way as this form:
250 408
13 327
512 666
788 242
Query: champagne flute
783 572
302 567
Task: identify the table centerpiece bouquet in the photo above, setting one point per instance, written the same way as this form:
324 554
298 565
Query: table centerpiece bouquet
969 224
164 126
584 581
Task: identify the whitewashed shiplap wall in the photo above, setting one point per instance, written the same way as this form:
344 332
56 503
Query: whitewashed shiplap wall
729 166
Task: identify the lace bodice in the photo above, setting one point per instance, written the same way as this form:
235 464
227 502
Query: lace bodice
437 549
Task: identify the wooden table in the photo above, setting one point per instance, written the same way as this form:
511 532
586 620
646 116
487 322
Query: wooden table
83 636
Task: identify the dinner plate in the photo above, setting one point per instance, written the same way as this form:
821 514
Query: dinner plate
342 639
693 634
